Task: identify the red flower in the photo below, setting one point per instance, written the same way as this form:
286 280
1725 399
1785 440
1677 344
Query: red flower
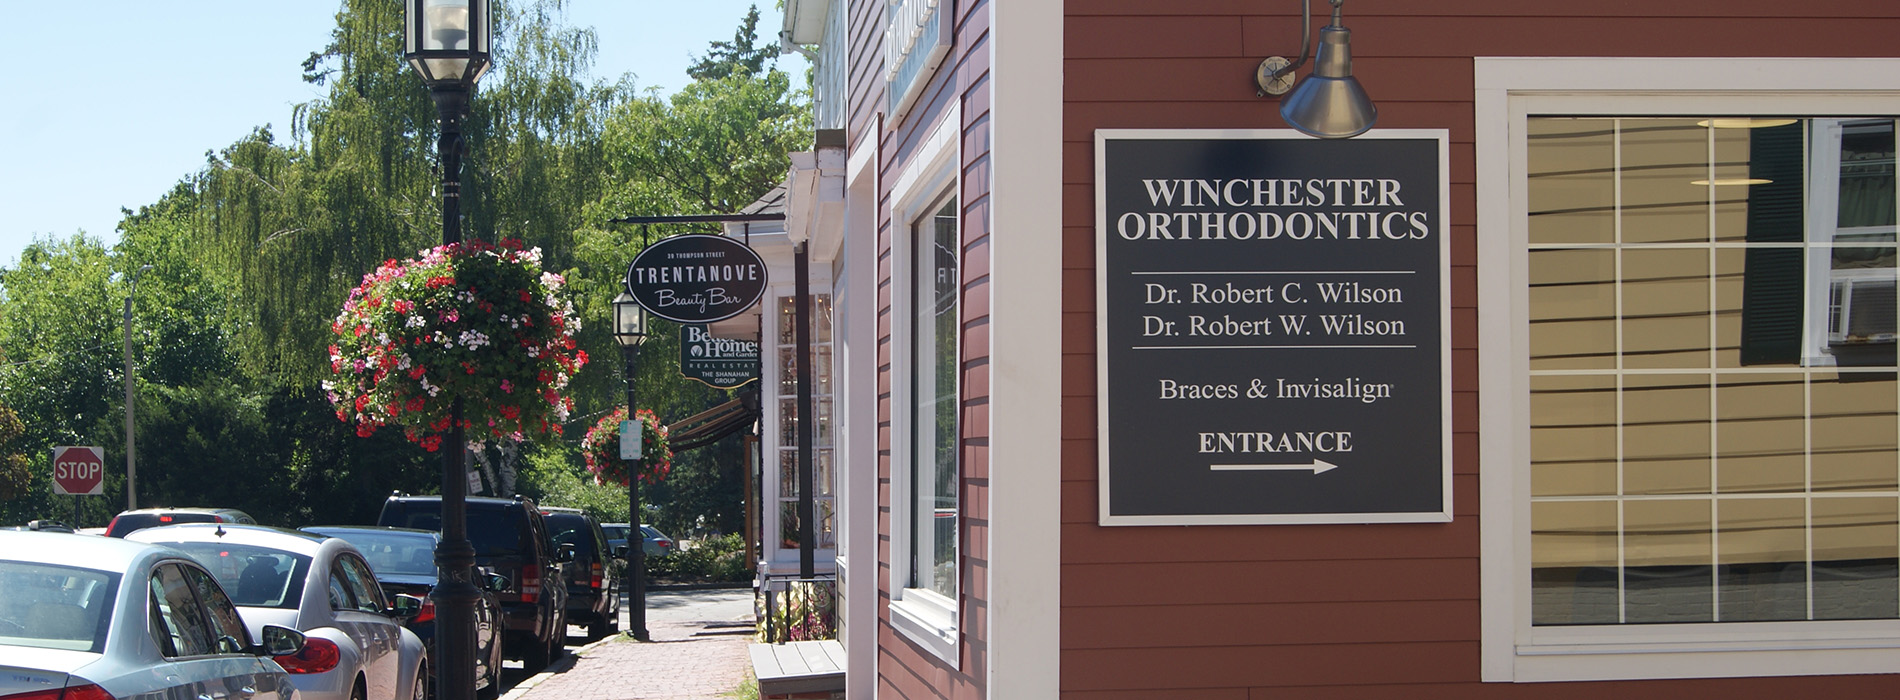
416 372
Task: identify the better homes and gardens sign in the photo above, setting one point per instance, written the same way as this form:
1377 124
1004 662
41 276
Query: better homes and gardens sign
1274 315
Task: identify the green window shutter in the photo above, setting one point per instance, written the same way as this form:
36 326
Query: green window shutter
1772 313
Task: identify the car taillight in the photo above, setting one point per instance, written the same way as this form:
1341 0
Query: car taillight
595 581
86 692
318 655
427 612
76 692
530 583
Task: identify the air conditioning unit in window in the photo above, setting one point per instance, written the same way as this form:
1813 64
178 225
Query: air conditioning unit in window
1863 312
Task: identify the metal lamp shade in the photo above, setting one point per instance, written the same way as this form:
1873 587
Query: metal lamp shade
630 321
447 41
1330 103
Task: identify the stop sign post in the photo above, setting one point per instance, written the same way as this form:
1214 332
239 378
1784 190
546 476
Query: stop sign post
79 471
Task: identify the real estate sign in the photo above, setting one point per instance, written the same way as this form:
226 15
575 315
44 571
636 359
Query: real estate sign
1273 327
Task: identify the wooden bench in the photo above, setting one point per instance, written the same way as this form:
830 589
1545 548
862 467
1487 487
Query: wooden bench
799 668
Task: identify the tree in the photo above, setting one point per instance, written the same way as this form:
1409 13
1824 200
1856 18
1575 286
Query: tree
15 476
741 55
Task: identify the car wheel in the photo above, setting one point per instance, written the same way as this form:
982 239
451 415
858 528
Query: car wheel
419 690
493 690
536 656
357 692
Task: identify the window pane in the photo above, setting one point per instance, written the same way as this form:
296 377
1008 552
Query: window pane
1666 308
1662 159
1764 573
1572 180
1573 436
1573 563
935 325
1573 309
1666 434
1666 557
1855 572
1761 432
1854 431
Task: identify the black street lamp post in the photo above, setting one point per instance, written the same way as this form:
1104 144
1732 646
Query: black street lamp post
447 41
630 330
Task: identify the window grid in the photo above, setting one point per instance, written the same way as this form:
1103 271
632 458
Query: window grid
1715 496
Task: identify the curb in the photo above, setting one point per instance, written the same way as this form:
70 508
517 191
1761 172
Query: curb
565 663
699 586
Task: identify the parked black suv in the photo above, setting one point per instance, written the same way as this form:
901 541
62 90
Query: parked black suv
510 539
593 592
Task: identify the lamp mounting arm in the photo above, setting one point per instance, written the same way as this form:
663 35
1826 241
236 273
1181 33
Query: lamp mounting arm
1274 74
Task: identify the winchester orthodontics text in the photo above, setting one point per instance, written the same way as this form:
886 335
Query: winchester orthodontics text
1373 211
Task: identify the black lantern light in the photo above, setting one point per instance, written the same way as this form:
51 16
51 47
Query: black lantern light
448 43
630 330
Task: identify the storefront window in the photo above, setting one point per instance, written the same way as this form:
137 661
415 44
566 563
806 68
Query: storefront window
1713 417
826 535
936 288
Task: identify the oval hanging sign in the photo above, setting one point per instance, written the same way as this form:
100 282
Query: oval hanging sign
697 278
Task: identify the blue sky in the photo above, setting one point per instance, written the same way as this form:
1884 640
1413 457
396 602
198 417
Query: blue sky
95 118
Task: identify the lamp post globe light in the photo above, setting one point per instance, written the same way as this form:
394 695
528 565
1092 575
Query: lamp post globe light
447 41
630 330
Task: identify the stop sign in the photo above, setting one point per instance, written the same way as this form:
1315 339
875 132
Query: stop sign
79 471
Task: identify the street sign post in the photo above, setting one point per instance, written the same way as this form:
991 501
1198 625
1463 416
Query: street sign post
79 471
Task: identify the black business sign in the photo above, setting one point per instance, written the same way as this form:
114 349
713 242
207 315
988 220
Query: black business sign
697 278
721 363
1273 340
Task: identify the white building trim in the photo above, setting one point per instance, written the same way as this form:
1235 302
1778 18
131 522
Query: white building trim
1025 543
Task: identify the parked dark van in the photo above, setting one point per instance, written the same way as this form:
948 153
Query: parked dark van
510 539
593 591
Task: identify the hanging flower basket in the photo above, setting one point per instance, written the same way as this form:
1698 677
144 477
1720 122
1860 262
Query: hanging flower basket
471 320
601 449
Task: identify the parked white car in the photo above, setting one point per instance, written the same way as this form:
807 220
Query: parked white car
96 618
322 586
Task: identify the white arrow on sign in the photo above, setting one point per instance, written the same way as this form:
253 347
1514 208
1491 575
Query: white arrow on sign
1316 467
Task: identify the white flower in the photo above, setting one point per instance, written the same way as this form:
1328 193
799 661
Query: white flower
415 322
473 339
403 362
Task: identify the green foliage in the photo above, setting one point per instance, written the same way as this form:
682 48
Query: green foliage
742 55
552 477
15 479
715 559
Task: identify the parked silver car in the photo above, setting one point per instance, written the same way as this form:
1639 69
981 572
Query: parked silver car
319 585
96 618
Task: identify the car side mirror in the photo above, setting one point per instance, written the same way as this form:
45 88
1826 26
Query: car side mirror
620 552
497 582
564 553
280 641
405 606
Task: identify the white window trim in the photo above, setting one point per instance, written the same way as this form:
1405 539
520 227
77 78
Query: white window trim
923 616
1507 90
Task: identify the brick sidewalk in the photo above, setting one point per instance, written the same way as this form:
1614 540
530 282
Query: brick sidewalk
685 661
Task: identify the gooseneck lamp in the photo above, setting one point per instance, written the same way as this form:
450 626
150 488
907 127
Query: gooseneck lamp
447 41
1330 103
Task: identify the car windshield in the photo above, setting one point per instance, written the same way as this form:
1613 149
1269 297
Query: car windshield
55 607
391 553
495 531
257 577
615 532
